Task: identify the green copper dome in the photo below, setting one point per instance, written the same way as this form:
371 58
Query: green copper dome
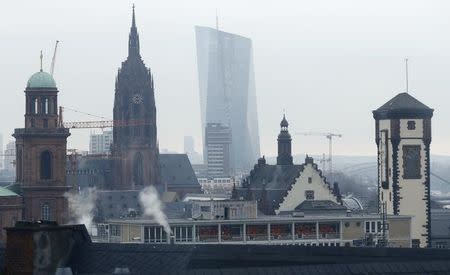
41 80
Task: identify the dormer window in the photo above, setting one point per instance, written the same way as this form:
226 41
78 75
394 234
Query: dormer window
411 125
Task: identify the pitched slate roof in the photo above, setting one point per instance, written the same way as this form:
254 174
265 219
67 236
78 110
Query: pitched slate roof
176 170
103 258
403 105
319 205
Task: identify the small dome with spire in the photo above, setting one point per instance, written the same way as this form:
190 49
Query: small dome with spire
284 123
41 79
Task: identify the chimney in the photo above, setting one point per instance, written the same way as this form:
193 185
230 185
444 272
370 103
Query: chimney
41 247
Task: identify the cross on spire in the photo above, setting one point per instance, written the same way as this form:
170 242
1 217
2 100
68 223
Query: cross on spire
41 60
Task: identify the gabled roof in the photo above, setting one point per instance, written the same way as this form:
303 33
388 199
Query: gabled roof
403 105
176 170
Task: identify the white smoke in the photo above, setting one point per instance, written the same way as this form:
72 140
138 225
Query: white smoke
149 200
81 206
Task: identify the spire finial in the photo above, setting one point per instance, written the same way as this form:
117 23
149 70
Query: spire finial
133 22
407 84
41 60
133 42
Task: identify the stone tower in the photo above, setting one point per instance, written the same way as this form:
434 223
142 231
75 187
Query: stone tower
135 148
284 144
41 153
403 137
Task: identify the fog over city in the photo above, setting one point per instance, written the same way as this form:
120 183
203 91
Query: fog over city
327 63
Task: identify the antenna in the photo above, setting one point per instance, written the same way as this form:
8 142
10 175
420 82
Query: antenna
406 64
217 21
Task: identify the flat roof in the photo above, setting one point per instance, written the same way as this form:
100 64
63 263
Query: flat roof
262 219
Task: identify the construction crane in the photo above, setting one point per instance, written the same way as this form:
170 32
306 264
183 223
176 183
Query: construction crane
99 123
330 137
52 67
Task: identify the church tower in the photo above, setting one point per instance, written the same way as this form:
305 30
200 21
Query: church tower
135 148
403 137
41 152
284 144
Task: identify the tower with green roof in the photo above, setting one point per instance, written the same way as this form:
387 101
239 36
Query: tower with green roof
41 152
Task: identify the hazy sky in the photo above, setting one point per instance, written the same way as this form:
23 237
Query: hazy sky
329 63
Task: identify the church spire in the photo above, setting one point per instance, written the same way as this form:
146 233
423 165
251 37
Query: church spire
133 42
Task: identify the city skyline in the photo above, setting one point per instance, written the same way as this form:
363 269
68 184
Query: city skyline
312 80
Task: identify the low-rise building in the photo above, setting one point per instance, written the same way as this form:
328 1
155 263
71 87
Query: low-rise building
238 222
361 230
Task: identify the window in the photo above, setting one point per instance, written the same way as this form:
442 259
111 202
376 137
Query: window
411 162
309 179
32 123
182 233
138 170
55 106
205 208
46 165
374 227
46 106
309 194
45 123
411 125
115 230
154 234
45 212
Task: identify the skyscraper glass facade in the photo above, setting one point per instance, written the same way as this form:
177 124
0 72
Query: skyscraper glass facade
227 91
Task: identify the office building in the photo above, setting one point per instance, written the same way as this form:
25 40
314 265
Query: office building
218 150
100 143
227 92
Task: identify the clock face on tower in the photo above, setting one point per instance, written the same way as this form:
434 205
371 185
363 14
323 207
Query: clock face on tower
137 99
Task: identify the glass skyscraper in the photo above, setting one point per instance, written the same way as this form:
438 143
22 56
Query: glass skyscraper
227 92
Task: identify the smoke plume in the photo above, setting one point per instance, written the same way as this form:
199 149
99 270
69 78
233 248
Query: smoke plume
81 206
149 200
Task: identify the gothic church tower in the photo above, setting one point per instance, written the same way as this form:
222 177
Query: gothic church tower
135 149
403 137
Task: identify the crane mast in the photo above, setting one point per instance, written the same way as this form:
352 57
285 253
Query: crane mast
52 67
330 137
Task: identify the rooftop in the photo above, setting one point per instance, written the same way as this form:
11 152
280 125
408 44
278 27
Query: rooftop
41 80
403 105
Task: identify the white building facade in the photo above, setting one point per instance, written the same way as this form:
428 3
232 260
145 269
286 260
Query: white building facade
403 137
100 143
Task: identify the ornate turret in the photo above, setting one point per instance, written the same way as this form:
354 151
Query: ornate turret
284 144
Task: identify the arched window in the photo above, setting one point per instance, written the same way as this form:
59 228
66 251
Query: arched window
46 165
55 106
46 106
19 164
138 169
45 212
